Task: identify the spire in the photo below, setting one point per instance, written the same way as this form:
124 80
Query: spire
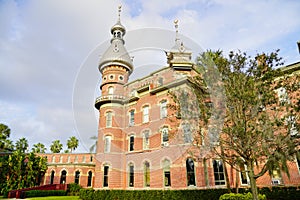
179 57
176 28
117 54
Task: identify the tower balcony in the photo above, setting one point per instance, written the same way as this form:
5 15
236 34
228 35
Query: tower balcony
109 99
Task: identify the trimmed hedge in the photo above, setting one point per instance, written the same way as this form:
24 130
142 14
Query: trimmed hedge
247 196
44 193
274 193
212 194
73 189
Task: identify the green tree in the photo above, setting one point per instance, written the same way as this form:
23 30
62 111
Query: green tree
39 148
72 143
257 126
23 171
4 134
56 146
22 145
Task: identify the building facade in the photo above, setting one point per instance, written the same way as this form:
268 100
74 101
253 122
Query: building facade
143 143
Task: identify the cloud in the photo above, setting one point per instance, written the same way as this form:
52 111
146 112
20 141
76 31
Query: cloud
47 45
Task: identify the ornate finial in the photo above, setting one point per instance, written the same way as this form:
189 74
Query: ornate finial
119 11
176 28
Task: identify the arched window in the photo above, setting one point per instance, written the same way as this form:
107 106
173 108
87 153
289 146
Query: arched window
60 159
63 177
165 136
77 176
131 143
90 177
111 90
190 171
52 177
167 173
131 175
145 114
53 159
146 174
109 119
163 109
146 140
105 176
131 117
219 172
107 144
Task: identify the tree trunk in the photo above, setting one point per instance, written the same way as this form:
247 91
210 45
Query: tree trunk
252 181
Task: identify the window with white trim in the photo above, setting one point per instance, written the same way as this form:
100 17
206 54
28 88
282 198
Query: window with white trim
283 95
131 143
109 119
131 117
291 123
163 109
145 114
165 136
146 174
131 175
107 144
167 173
146 140
190 172
244 175
219 172
110 90
105 176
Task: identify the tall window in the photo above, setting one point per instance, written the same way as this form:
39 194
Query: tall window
187 133
145 114
77 175
167 173
52 177
243 175
190 171
131 175
107 144
69 159
53 159
76 159
63 177
291 122
283 95
146 174
131 117
90 177
111 90
109 119
165 136
146 140
163 109
131 143
60 159
219 172
105 176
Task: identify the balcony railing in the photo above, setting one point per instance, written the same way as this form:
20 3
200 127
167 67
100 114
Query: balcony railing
109 99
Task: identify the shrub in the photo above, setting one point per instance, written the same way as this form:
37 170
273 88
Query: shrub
44 193
73 189
247 196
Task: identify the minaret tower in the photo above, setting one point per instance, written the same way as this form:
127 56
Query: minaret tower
115 67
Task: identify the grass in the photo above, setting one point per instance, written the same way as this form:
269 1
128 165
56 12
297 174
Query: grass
55 198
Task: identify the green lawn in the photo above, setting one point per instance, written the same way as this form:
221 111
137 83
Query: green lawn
55 198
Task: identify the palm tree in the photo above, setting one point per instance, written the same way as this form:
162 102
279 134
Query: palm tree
56 146
8 144
22 145
72 143
94 146
4 134
39 148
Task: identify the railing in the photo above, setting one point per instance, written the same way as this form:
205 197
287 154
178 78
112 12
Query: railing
108 98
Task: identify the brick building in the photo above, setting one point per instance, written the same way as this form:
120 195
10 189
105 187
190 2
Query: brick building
142 143
137 146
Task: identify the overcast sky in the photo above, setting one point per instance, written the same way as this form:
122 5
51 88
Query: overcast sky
45 47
